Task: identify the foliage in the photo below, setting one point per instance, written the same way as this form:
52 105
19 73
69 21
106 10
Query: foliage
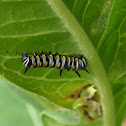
88 28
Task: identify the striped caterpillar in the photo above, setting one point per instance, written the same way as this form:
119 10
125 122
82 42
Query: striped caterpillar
55 61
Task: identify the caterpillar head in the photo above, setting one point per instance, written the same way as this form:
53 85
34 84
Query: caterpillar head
25 60
24 57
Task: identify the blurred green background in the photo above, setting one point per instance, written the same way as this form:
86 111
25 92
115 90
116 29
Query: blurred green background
17 108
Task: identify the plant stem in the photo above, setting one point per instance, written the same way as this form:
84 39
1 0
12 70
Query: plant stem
88 50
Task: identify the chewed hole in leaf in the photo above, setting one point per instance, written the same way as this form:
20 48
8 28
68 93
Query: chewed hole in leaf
88 98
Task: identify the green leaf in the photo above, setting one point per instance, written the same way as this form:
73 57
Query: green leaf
31 26
106 28
27 109
14 106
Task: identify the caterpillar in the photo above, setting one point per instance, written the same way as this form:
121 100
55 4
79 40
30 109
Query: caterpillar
61 62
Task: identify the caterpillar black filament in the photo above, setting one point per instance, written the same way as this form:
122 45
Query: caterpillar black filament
55 61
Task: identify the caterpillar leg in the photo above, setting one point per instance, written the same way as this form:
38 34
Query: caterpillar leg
61 71
86 70
68 69
26 69
77 73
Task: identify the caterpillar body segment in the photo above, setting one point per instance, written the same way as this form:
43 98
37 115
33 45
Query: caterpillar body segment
55 61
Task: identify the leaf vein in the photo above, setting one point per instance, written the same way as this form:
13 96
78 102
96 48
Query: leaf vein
34 34
102 36
29 20
83 15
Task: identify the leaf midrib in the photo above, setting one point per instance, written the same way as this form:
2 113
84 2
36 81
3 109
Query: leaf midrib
89 52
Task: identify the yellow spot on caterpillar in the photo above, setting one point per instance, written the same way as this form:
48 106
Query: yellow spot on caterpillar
76 59
34 64
59 65
80 61
69 67
63 57
68 58
37 57
72 58
50 56
46 63
32 57
40 64
43 55
57 56
52 63
73 67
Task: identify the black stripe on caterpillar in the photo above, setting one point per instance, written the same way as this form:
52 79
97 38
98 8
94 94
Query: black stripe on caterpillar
61 62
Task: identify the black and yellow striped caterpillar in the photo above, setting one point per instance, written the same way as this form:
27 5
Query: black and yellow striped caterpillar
55 61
